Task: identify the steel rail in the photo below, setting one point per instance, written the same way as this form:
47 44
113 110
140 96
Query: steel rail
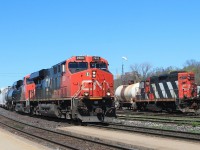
156 114
159 120
152 131
38 137
156 117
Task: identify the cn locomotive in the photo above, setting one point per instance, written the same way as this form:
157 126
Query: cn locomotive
171 92
79 88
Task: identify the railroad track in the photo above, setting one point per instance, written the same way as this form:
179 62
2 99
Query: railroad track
186 121
58 138
161 114
152 131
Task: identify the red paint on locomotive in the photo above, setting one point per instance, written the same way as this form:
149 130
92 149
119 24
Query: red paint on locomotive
92 81
147 89
187 86
28 88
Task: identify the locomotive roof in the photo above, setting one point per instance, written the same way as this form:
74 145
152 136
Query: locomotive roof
172 74
62 62
42 73
176 72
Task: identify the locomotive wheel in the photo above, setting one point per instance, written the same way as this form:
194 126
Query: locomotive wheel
141 106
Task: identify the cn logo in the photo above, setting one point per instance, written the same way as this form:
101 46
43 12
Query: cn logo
86 85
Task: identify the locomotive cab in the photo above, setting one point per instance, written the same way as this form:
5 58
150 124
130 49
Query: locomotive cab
187 86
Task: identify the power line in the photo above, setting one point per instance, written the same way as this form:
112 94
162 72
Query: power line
12 73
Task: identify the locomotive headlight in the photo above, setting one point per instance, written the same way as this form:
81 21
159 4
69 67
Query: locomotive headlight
86 94
93 74
108 94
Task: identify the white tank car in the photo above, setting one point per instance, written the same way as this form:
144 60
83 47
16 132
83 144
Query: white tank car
126 94
198 90
3 92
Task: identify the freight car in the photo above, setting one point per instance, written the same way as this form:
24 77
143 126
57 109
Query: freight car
3 92
175 91
80 88
198 91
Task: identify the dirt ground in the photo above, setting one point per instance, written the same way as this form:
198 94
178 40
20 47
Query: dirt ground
9 141
135 139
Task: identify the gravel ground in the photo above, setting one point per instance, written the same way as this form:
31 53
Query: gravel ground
53 124
46 122
168 126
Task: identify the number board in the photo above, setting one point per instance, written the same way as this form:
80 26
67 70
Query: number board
80 57
96 58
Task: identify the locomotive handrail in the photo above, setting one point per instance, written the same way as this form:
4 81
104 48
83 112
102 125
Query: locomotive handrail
78 92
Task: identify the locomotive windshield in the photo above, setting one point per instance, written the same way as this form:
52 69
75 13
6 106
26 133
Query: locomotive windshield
99 65
29 81
77 66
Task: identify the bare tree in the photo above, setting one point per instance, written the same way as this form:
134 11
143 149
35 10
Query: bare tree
141 71
193 66
191 63
146 70
161 70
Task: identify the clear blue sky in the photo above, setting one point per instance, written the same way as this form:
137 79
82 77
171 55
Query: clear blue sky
36 34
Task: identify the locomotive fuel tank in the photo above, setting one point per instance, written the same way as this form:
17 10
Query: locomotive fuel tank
50 110
127 93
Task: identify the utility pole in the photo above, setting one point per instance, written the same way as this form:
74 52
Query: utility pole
122 76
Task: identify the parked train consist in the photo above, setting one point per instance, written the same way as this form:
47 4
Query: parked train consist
80 88
171 92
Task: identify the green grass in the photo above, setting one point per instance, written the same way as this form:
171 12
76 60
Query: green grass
19 127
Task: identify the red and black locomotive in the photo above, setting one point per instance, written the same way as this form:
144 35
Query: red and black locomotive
80 88
174 91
